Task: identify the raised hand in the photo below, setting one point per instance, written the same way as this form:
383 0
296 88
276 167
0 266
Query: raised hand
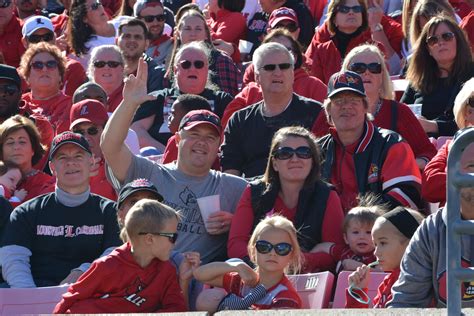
135 90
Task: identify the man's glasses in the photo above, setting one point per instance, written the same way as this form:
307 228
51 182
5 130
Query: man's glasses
90 131
9 89
434 39
281 249
291 27
110 63
285 153
48 37
150 18
345 9
186 64
96 5
5 3
361 68
272 67
39 65
171 236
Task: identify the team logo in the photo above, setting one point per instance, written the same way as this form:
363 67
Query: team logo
140 183
373 173
84 110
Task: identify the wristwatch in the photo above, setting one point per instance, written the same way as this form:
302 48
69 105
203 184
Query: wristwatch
378 28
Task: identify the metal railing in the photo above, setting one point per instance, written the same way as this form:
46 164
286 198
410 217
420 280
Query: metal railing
455 225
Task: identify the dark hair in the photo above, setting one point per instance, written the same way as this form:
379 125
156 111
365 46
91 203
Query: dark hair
332 11
296 47
78 94
231 5
5 166
270 177
134 22
365 215
191 102
125 9
78 31
185 8
423 72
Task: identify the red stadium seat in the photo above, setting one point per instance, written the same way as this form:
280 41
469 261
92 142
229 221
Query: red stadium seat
314 289
40 300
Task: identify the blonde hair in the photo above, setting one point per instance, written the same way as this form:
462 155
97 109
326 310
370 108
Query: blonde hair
460 103
282 223
147 216
387 87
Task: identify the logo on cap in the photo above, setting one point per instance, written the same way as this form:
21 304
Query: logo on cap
84 110
138 183
39 21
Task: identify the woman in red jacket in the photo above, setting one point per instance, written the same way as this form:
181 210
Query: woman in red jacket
368 62
291 187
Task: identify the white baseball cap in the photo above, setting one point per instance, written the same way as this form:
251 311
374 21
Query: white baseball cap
34 23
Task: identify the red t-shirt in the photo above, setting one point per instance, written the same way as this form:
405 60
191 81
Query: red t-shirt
100 185
36 183
228 26
114 99
10 42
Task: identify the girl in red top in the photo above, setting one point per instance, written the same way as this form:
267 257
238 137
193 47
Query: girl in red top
275 250
391 234
226 21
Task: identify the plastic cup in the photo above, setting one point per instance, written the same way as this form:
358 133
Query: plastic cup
208 205
245 46
416 109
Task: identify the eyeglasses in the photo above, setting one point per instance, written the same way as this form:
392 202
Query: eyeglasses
199 118
171 236
186 64
150 18
39 65
90 131
9 89
361 68
291 27
346 100
285 153
5 3
110 63
434 39
281 249
96 5
272 67
345 9
48 37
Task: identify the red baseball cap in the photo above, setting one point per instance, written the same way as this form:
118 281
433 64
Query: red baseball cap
88 110
198 117
282 14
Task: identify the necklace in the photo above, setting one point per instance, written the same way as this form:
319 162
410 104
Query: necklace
377 107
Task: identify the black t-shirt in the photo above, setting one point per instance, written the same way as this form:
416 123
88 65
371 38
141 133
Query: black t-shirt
305 20
161 108
256 31
5 211
61 238
249 133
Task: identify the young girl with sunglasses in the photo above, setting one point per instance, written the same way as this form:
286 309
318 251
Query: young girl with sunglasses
137 277
275 250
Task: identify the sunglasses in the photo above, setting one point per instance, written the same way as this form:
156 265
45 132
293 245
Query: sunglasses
96 5
434 39
281 249
48 37
272 67
285 153
186 64
39 65
345 9
150 18
171 236
361 68
9 89
200 118
5 3
90 131
110 63
291 27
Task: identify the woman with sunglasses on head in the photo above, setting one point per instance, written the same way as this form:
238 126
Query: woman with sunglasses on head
368 62
191 71
106 68
43 67
275 249
441 63
291 186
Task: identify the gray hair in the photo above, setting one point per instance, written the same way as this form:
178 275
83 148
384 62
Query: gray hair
100 49
264 49
460 103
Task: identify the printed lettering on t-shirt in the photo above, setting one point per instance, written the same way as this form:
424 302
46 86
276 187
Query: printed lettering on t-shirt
69 231
132 292
467 288
258 25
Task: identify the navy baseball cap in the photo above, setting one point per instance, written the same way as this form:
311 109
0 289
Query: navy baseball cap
136 186
10 73
345 81
69 138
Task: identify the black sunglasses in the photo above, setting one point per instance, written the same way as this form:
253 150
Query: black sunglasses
150 18
291 27
346 9
199 118
48 37
434 39
5 3
360 68
90 131
285 153
171 236
9 89
39 65
272 67
186 64
96 5
281 249
110 63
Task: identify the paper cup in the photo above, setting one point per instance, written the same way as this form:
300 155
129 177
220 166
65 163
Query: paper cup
208 205
416 109
245 46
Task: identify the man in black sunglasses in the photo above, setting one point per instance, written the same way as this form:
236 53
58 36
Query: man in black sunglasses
37 29
10 34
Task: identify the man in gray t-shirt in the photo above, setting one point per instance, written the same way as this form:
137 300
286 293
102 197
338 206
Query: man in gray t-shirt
180 183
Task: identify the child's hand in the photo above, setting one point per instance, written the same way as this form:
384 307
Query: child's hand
20 194
190 262
360 277
248 275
